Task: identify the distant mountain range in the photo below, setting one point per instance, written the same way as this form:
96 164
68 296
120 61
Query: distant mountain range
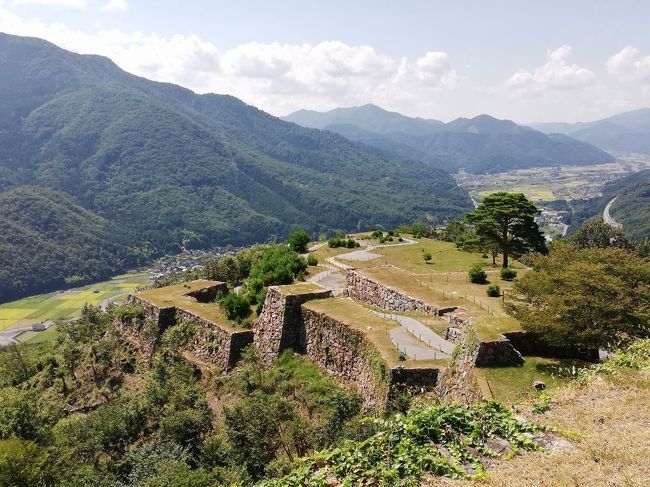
481 144
626 132
114 169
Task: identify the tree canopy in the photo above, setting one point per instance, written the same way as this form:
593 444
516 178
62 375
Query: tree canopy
508 220
595 297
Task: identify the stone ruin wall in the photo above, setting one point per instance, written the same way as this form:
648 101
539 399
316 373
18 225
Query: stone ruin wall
213 343
367 290
278 326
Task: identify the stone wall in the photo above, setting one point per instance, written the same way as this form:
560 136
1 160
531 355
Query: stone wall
366 290
458 384
213 343
346 354
497 353
278 326
216 344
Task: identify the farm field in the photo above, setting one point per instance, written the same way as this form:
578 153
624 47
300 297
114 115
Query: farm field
66 304
543 184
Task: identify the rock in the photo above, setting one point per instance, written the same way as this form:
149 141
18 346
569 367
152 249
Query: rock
539 385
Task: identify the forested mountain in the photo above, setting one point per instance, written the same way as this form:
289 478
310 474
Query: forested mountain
632 205
173 169
480 145
625 132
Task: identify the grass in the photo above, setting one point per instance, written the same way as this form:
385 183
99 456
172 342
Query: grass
514 384
606 422
66 304
375 329
301 288
452 289
176 296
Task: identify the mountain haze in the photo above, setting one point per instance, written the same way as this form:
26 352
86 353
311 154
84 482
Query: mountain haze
626 132
166 168
481 144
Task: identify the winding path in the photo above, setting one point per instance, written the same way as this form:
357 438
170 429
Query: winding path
607 218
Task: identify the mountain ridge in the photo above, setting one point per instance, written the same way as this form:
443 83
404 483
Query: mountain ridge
479 144
172 169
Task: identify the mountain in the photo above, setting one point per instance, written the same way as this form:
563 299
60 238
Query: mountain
482 144
165 168
632 206
626 132
368 117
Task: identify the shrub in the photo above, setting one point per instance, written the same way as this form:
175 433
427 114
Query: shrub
376 234
427 257
312 260
493 291
298 241
477 275
236 306
508 274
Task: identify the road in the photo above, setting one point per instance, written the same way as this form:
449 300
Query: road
607 218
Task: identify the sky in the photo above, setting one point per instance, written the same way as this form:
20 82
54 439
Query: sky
569 60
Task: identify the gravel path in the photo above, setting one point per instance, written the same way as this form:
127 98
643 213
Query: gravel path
421 332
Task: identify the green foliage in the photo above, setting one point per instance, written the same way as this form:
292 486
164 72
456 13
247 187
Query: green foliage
407 448
508 274
312 260
595 297
340 241
598 234
277 265
543 403
298 241
493 291
477 275
427 256
635 356
418 230
168 169
508 221
237 306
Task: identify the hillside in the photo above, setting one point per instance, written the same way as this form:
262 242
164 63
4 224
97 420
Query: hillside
49 241
625 132
632 206
482 144
174 169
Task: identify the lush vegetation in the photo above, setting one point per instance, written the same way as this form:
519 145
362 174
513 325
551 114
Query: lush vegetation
166 169
89 409
438 440
593 297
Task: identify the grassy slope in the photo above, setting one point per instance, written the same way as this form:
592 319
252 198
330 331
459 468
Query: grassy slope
608 422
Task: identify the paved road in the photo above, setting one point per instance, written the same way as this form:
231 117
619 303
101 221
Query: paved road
8 337
607 218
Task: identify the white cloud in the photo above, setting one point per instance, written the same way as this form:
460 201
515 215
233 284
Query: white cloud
629 64
555 74
276 77
53 3
115 6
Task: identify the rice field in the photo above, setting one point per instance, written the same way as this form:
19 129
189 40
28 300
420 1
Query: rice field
66 304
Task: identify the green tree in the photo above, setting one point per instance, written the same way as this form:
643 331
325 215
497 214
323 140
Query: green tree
508 220
594 297
427 256
598 234
298 241
237 307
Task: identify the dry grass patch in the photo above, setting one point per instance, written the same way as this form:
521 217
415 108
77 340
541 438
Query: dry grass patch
609 423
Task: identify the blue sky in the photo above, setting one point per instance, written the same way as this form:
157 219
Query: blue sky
528 61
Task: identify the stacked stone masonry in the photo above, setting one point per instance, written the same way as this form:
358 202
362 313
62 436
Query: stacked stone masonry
217 344
366 290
